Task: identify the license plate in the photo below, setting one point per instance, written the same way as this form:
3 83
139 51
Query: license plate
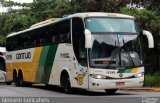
119 83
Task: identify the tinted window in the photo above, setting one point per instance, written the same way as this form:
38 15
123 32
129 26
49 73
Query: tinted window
79 40
47 35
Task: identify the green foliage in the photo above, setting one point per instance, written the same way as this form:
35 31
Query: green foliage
152 80
146 18
3 19
16 22
154 5
2 40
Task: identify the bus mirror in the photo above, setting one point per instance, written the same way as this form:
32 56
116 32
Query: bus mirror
149 37
88 39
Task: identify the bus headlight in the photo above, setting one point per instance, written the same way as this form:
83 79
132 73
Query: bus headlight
139 75
98 76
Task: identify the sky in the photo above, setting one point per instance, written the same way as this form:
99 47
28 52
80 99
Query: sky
21 1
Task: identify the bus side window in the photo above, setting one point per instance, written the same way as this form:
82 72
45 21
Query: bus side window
64 31
52 34
49 34
79 41
42 36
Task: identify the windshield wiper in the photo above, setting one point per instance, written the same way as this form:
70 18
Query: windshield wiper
112 58
119 53
127 52
115 55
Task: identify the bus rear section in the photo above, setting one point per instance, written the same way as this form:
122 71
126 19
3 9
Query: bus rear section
2 64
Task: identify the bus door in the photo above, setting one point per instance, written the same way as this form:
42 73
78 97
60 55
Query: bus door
80 69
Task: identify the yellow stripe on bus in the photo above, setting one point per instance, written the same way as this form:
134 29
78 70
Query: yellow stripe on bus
37 54
134 70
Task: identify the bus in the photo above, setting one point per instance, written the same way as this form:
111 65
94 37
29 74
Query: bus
91 51
2 65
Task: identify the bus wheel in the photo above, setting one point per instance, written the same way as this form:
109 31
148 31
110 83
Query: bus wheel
27 84
21 83
19 80
65 82
15 78
110 91
8 83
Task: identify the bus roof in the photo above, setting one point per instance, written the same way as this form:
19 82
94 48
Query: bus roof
81 15
43 22
100 14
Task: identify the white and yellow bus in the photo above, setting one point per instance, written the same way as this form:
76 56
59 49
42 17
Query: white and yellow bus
93 51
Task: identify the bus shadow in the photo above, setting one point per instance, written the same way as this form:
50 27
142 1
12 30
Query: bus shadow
79 91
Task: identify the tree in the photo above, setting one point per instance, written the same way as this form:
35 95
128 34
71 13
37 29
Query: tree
148 20
17 22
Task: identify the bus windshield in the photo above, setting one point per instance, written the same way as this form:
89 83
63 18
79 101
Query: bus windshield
115 51
101 25
116 43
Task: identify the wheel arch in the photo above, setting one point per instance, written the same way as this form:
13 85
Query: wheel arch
64 71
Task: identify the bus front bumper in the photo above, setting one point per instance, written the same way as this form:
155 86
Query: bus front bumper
97 84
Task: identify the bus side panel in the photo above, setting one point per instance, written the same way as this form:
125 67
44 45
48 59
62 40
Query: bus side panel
9 72
46 63
41 63
9 67
66 60
27 64
35 62
30 69
63 61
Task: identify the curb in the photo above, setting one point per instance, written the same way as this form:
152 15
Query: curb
142 89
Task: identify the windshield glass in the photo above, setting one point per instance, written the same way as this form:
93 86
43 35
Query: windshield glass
113 51
103 25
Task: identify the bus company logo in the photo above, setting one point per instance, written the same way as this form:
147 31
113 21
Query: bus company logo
9 57
79 78
120 75
23 55
65 55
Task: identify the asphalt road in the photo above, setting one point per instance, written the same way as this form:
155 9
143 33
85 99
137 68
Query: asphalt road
43 94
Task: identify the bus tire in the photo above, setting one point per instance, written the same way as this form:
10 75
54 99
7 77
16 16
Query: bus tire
15 78
19 80
65 83
27 84
110 91
8 83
